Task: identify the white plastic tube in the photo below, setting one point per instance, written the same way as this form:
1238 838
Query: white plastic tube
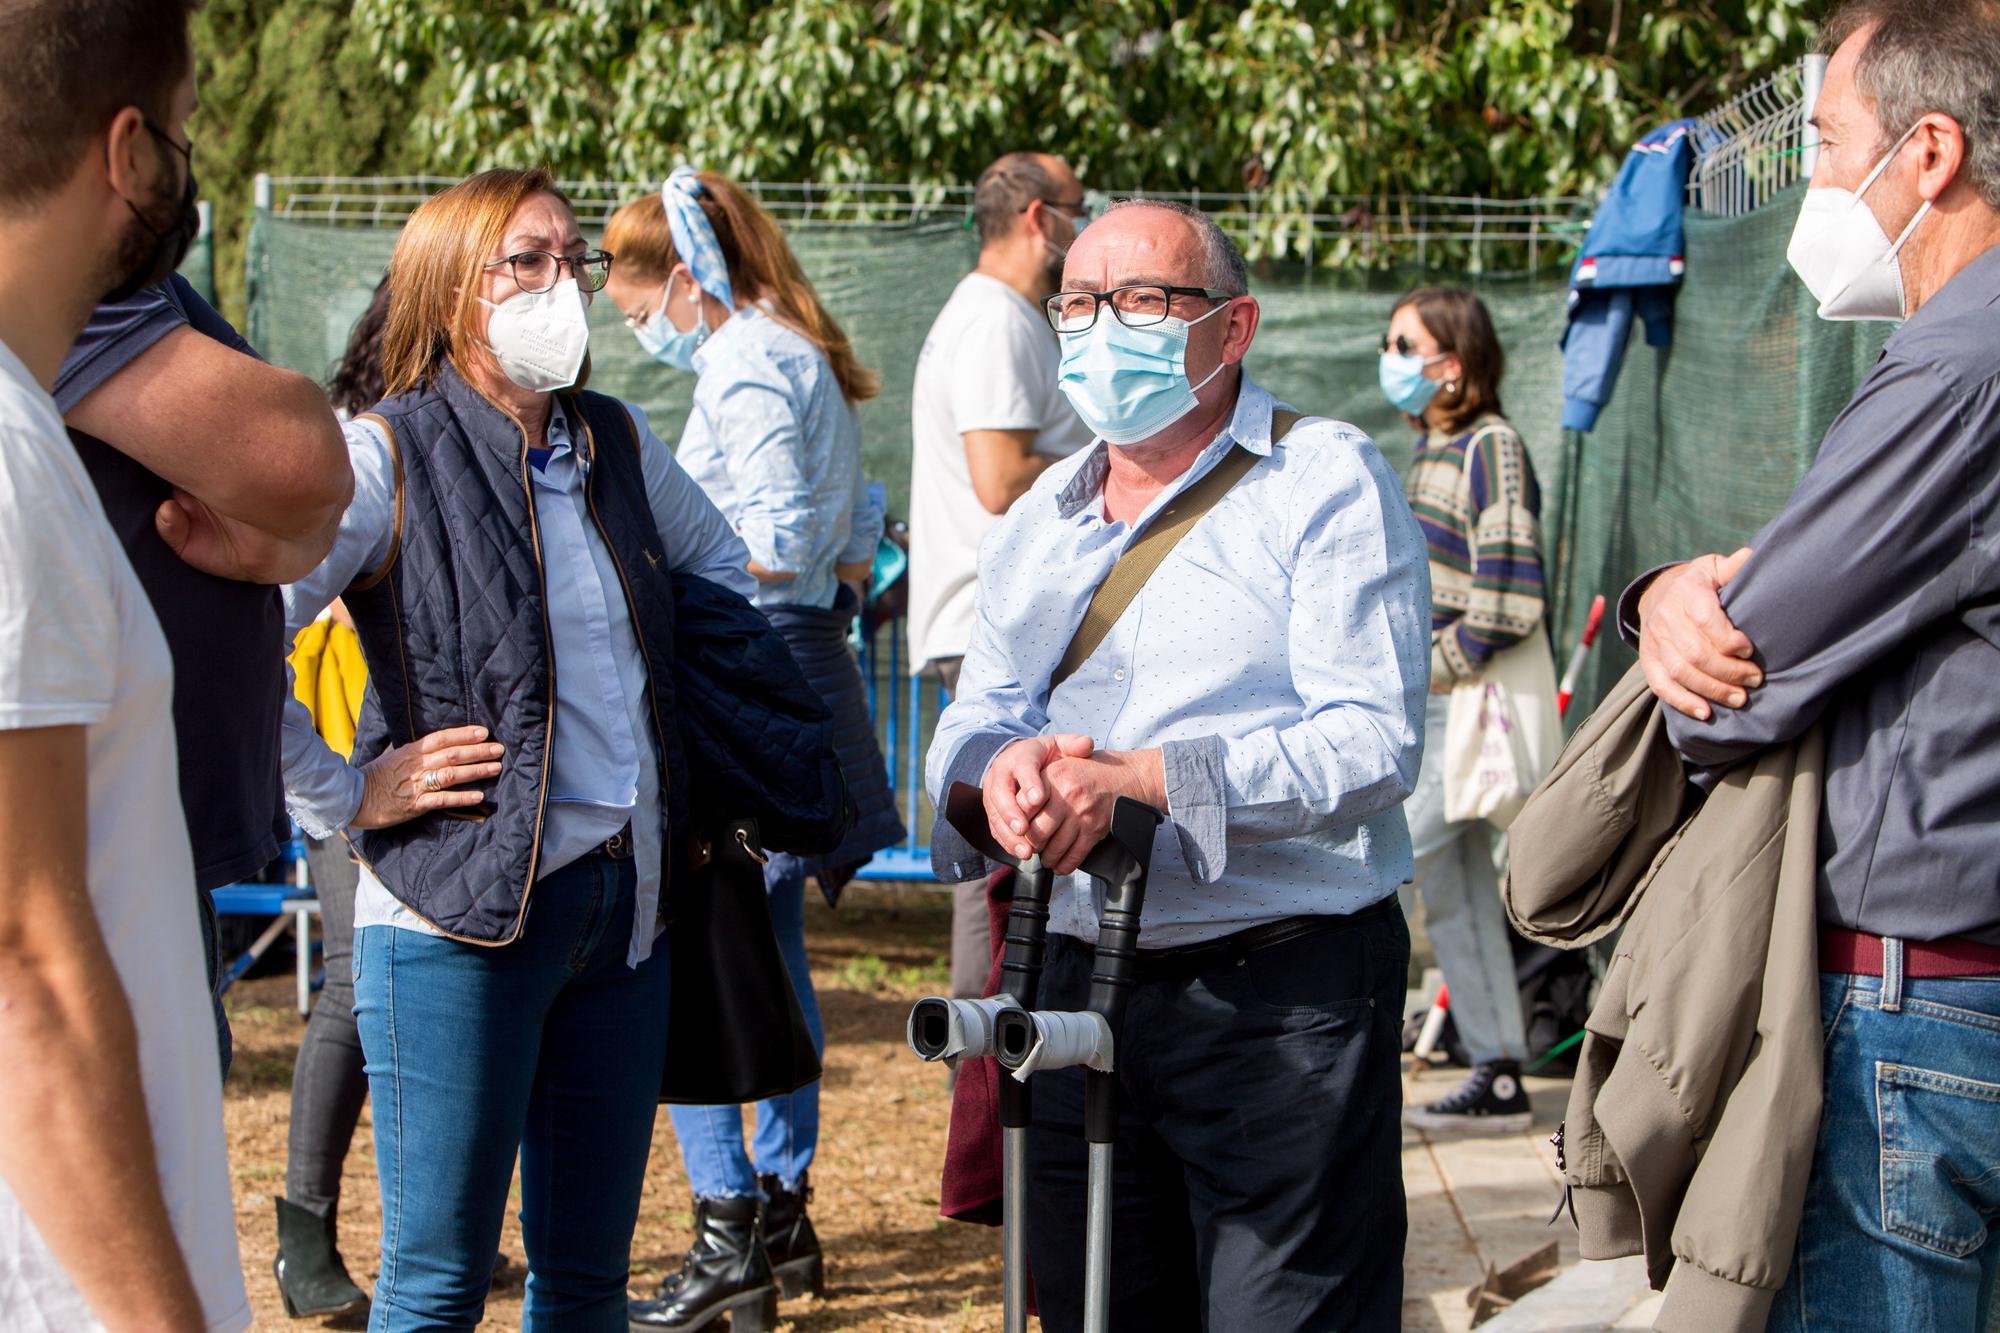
1065 1040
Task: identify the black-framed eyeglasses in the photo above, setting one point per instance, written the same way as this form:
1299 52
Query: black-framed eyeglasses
1135 306
536 271
1402 346
1076 205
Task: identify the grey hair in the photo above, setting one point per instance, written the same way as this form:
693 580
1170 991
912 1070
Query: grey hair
1222 267
1004 191
1931 55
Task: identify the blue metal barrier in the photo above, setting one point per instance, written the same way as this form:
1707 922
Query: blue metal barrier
912 704
291 904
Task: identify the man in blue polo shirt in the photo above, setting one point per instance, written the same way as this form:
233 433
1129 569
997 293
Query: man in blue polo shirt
165 403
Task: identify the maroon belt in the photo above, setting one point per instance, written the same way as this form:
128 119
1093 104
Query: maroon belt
1860 955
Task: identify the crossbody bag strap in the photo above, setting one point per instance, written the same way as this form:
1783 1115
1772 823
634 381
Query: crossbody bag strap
1479 434
1149 550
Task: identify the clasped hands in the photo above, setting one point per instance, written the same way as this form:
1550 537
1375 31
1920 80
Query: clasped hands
1693 656
1054 794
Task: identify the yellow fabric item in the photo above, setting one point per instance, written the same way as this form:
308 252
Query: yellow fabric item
329 677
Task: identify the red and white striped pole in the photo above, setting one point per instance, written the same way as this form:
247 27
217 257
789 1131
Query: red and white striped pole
1592 623
1433 1028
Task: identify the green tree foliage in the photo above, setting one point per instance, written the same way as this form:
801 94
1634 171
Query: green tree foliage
290 87
1301 99
1308 98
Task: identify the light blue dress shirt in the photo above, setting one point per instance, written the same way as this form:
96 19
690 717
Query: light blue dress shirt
1279 658
778 448
603 773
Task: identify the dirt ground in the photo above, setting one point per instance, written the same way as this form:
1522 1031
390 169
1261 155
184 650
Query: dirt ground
892 1263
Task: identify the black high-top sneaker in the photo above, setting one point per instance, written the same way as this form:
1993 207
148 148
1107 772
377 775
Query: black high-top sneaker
726 1272
1491 1101
790 1240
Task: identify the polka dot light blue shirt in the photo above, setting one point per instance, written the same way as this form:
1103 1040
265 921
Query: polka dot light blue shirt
1279 658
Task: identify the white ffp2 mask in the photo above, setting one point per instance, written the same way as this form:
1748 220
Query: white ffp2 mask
539 338
1844 257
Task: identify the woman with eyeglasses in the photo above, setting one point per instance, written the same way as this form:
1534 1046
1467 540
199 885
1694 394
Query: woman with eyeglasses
1474 492
516 793
708 284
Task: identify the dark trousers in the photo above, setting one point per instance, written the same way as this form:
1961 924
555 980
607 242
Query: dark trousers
211 957
328 1083
1258 1171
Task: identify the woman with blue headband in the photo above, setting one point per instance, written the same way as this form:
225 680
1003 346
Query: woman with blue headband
708 284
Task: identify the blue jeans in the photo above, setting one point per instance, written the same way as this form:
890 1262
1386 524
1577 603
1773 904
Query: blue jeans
1905 1186
711 1137
550 1046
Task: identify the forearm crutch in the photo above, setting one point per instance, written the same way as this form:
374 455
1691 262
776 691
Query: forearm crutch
955 1029
1053 1040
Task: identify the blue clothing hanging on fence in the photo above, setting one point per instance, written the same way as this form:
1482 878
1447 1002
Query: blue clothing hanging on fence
1631 263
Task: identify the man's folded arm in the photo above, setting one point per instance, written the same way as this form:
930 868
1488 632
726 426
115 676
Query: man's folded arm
1870 552
258 445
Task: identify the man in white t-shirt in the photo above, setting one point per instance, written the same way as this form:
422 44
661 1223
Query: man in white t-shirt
985 419
114 1188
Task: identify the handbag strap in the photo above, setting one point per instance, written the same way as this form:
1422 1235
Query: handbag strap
1150 549
1485 432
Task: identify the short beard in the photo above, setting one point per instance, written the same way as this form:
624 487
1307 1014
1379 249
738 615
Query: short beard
137 246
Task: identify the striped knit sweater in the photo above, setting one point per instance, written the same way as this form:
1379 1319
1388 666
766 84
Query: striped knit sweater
1483 525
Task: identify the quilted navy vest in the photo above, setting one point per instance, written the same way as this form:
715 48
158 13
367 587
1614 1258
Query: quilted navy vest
455 631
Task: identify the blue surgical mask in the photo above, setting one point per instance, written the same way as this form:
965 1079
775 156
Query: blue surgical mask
1130 384
666 344
1404 383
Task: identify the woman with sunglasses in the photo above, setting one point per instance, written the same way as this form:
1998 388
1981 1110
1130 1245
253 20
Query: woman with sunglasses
517 795
708 284
1474 492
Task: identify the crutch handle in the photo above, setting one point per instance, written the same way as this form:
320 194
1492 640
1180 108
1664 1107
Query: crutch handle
1021 968
1121 860
1027 932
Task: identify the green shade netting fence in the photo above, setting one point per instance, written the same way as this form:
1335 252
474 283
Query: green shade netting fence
1701 443
199 265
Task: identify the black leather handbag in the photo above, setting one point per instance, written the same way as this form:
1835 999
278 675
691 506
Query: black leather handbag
735 1031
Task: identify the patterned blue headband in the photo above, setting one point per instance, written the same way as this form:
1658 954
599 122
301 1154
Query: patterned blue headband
694 238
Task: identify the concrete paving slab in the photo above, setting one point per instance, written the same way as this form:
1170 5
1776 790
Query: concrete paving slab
1641 1316
1474 1201
1587 1297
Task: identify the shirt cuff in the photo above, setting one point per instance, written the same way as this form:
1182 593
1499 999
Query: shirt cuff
1628 602
1198 803
328 817
1579 414
782 548
953 859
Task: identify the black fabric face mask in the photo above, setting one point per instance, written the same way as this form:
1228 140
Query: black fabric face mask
170 241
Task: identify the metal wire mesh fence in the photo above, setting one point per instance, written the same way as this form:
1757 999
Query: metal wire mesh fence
1758 143
1465 233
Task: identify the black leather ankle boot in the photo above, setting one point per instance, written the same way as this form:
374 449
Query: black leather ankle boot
790 1240
311 1278
726 1272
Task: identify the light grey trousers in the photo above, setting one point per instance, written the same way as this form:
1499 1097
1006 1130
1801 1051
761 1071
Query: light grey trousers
1463 917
